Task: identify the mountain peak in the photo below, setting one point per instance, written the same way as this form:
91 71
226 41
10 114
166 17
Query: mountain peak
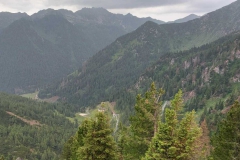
129 14
93 10
6 18
50 11
43 13
185 19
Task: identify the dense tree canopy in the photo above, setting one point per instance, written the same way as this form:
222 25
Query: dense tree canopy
93 141
175 138
33 130
226 142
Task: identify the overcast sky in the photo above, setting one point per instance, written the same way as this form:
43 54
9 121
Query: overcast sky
166 10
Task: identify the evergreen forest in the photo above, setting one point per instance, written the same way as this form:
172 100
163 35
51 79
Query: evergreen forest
96 85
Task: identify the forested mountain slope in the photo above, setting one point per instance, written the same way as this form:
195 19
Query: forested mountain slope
38 52
50 44
99 25
212 70
208 75
119 66
33 130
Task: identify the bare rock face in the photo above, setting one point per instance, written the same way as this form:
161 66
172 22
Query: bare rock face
234 55
186 64
195 61
172 62
206 74
216 69
236 78
237 54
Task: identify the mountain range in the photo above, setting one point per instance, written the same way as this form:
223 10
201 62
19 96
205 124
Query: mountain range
39 49
120 65
79 59
7 18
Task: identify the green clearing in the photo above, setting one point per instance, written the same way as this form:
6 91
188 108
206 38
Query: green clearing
30 95
108 107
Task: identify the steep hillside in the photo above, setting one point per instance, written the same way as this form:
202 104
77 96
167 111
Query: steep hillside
99 25
102 16
212 70
209 77
6 18
39 49
98 16
118 66
33 130
34 53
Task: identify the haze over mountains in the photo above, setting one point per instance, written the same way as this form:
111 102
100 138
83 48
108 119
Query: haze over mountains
50 44
185 19
92 57
7 18
120 65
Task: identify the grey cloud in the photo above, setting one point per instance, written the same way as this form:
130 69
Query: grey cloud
145 8
198 5
127 4
118 4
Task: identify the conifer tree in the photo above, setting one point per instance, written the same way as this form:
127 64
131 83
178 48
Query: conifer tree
175 138
93 141
187 134
226 142
144 123
67 153
71 146
202 149
98 143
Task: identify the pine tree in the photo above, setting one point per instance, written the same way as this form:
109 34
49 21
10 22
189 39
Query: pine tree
187 134
67 153
98 143
202 149
144 123
71 146
124 140
226 142
93 141
175 138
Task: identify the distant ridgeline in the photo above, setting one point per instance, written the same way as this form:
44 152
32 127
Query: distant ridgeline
156 53
42 48
201 57
33 130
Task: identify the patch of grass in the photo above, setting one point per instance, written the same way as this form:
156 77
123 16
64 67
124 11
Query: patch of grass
74 74
118 55
107 107
30 95
212 102
236 87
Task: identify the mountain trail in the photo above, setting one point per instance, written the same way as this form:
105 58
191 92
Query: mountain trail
30 122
